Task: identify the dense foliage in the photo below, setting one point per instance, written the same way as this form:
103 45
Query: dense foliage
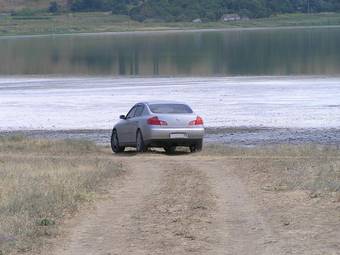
207 10
54 7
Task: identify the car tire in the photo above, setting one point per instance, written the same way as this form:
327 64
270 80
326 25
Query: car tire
170 149
140 144
116 148
197 146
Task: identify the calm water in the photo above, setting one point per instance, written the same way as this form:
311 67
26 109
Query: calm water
223 53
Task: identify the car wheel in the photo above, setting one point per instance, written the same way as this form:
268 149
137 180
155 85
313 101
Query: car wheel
197 146
140 145
116 148
170 149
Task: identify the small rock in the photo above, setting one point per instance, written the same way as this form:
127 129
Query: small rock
314 195
337 198
286 223
202 207
267 188
269 241
190 237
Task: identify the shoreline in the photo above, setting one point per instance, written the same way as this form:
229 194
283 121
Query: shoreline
170 30
117 77
232 136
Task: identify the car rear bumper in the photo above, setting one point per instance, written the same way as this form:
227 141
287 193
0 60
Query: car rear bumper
166 133
172 142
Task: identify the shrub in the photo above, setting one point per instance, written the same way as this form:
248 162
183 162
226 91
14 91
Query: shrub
54 7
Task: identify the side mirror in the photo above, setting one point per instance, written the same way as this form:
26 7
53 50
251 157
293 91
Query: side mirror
122 117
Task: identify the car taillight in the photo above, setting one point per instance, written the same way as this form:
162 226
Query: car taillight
197 121
154 121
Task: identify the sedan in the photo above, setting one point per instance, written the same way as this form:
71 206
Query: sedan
158 124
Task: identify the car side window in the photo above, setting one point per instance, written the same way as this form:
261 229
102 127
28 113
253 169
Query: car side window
139 110
131 113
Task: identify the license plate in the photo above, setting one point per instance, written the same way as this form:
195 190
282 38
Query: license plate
178 136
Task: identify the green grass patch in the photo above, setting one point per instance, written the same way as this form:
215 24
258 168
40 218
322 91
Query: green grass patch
30 23
31 18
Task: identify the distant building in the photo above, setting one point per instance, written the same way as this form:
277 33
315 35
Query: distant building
230 17
197 21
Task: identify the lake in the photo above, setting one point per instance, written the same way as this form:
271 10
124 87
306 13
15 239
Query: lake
256 52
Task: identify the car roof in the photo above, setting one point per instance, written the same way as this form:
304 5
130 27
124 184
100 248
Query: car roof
162 102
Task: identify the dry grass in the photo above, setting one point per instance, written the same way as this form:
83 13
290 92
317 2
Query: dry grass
20 145
313 168
282 150
41 182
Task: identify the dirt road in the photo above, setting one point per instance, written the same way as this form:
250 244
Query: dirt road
198 204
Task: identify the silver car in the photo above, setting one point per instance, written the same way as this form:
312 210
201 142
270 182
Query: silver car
158 124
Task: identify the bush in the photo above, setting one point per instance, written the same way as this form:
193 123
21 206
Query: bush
26 12
91 5
119 7
54 7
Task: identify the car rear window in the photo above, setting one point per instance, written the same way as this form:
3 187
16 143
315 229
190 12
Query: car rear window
170 108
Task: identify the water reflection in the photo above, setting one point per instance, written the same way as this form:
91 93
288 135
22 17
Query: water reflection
253 52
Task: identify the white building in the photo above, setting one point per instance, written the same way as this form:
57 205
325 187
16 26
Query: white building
230 17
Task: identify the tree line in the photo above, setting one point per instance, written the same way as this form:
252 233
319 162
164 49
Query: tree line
206 10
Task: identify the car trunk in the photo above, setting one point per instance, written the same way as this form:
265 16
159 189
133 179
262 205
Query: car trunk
177 120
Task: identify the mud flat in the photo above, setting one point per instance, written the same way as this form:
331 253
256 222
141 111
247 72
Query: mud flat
237 110
58 103
229 136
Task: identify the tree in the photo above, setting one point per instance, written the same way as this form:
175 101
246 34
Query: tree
207 10
54 7
91 5
119 7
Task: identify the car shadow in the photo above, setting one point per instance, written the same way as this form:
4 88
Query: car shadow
132 153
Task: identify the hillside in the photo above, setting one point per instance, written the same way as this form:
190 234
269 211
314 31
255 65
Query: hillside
16 5
177 10
31 17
